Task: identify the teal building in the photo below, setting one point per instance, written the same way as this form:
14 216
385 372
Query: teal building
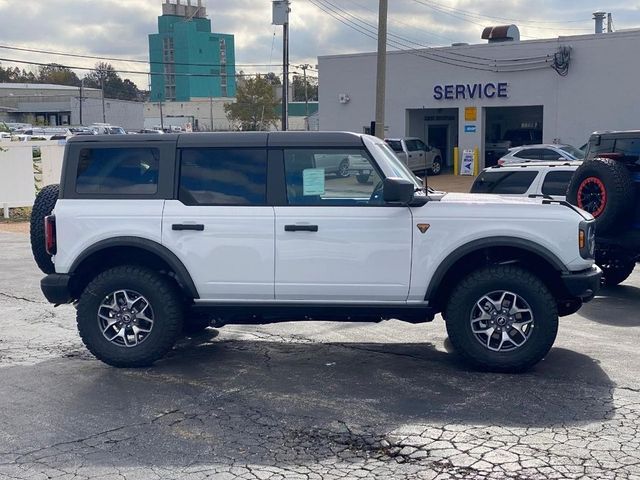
187 60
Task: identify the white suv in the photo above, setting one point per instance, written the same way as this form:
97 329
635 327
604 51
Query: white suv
550 179
154 233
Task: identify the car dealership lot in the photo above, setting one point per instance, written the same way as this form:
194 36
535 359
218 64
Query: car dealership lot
313 400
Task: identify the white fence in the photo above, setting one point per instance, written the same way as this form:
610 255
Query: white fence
18 173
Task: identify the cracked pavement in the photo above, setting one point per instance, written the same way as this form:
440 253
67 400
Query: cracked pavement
313 400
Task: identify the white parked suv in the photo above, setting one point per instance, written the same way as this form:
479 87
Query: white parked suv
550 179
151 234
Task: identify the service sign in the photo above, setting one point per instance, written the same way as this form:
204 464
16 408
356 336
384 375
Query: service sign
471 91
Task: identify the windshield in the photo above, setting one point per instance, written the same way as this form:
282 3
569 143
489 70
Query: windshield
573 151
399 169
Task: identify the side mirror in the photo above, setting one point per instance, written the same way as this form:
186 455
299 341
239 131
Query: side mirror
397 190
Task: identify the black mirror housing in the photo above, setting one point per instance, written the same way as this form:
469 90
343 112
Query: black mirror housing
398 190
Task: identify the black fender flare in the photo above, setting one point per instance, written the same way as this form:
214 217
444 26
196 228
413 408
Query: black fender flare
483 243
150 246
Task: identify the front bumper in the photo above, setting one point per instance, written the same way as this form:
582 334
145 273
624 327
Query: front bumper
584 284
55 288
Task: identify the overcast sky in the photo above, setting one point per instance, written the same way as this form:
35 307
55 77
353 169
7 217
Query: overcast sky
119 28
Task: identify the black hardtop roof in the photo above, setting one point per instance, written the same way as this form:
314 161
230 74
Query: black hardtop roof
234 139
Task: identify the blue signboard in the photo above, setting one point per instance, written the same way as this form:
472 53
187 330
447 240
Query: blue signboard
469 129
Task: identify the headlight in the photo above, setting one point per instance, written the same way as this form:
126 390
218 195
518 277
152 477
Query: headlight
587 239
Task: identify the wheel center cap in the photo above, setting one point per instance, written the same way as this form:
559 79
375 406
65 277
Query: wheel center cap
502 321
126 318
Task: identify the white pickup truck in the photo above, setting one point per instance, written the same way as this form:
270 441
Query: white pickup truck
150 234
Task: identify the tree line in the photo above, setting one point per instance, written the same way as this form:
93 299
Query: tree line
103 74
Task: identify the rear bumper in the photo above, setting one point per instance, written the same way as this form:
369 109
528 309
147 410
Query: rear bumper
55 288
584 284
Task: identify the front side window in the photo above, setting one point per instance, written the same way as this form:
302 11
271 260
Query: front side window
319 177
506 183
412 145
219 176
556 183
118 171
551 155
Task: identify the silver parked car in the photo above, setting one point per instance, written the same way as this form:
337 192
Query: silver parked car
417 155
544 152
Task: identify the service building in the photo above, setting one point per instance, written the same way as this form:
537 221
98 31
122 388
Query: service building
481 96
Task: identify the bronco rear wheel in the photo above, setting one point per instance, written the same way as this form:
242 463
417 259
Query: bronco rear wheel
130 316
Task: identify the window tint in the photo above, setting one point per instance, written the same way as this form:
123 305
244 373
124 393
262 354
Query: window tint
606 146
629 147
556 183
118 171
412 145
527 153
396 145
503 182
421 145
548 154
534 154
315 177
211 176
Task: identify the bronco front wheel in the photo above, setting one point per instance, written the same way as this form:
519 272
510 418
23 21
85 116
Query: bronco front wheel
502 318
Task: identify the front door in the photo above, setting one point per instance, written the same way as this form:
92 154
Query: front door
416 154
336 240
220 227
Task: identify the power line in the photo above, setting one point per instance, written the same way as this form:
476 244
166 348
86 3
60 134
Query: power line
128 60
494 65
460 14
134 72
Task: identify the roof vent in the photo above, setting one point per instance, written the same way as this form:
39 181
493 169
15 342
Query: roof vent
501 33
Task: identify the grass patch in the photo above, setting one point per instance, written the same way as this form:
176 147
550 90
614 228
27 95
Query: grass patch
16 215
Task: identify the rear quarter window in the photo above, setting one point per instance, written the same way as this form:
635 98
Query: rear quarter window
556 183
504 182
118 171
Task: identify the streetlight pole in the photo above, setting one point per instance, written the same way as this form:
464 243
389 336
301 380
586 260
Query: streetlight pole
306 92
281 11
382 68
104 112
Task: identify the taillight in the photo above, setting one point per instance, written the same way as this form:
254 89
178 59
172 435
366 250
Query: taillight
501 162
50 234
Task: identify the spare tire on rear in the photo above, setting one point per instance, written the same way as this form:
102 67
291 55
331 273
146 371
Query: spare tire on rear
603 187
42 207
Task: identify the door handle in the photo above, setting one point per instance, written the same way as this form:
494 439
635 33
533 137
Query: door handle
301 228
198 227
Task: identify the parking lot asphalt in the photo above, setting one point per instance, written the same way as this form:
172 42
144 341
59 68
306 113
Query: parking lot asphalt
313 400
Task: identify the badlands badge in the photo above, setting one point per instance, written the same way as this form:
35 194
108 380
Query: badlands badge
423 227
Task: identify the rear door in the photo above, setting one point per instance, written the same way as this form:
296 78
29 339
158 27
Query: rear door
416 154
219 225
336 240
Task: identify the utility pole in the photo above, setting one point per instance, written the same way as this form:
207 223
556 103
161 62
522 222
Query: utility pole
382 67
306 93
211 111
609 23
81 100
161 115
104 113
281 11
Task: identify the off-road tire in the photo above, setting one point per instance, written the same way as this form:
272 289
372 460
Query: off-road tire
436 170
362 178
42 207
163 295
613 180
616 269
519 281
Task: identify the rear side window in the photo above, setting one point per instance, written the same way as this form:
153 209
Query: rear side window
606 146
556 183
118 171
528 153
213 176
629 147
396 145
504 182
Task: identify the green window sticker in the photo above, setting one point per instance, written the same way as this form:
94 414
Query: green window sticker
313 181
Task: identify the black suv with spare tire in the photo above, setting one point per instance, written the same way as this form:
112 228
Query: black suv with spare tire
607 185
